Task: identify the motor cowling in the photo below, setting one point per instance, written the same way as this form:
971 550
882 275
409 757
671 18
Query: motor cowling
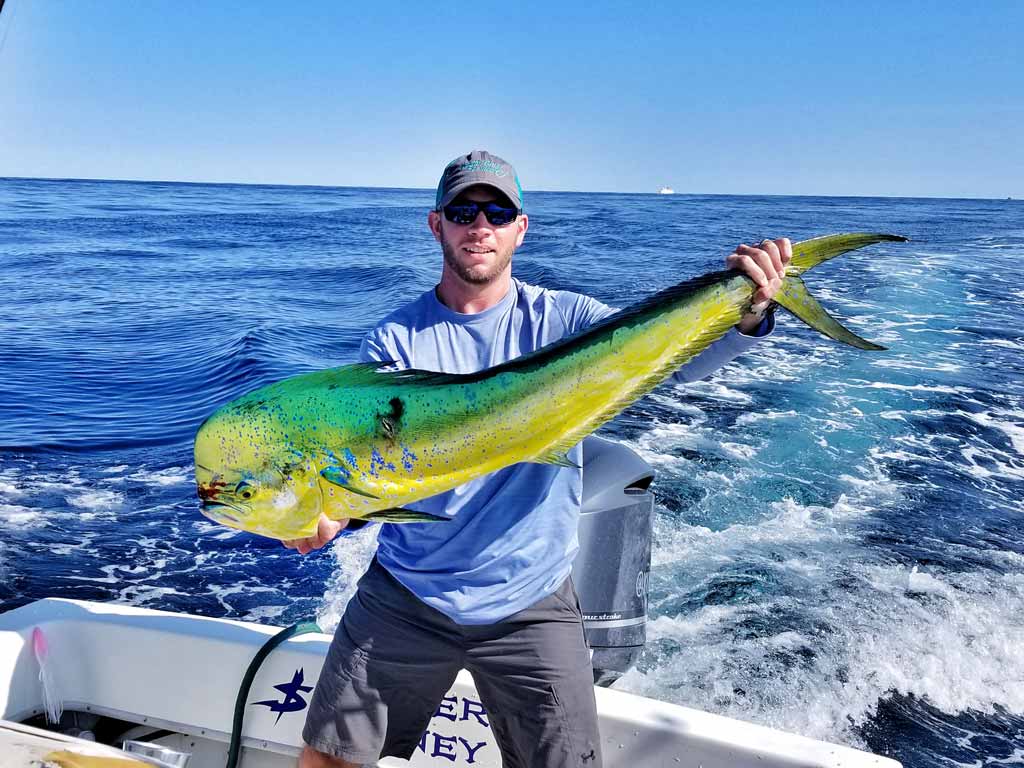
613 565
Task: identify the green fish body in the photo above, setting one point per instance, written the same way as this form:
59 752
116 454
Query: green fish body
362 443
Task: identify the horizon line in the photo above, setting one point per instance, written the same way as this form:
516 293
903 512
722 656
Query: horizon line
526 191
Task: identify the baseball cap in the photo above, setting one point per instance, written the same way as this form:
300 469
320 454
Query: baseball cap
478 167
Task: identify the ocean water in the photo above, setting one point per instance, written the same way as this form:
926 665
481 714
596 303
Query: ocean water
839 544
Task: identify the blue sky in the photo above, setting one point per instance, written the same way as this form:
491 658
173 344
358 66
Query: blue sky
892 98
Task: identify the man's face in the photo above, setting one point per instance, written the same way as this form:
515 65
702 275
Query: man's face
479 252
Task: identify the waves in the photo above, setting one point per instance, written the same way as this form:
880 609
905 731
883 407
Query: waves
102 391
820 657
811 616
838 546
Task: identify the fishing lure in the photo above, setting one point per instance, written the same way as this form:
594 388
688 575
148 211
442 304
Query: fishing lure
52 702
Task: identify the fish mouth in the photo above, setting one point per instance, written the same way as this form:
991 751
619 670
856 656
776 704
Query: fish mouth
218 513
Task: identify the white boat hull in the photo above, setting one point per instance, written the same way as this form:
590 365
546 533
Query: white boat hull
181 673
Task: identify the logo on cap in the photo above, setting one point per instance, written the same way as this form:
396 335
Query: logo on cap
484 166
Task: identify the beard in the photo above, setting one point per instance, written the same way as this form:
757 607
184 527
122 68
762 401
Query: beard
478 274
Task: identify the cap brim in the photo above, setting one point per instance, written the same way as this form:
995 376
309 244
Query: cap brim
461 187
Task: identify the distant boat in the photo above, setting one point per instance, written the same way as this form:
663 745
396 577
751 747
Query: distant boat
666 191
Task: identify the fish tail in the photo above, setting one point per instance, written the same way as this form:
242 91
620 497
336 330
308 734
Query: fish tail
795 297
811 253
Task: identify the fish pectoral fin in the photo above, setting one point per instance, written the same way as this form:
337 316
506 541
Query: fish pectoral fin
402 515
795 297
342 478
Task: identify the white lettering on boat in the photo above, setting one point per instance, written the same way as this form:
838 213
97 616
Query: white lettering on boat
455 749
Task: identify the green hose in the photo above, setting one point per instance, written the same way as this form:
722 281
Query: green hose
250 674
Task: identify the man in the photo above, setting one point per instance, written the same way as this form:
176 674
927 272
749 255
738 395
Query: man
490 589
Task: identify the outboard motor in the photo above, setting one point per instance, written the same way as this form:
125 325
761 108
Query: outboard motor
612 568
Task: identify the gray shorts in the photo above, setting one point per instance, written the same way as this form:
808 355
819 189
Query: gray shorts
393 658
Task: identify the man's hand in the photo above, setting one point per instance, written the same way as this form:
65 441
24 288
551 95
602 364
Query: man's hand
326 529
766 266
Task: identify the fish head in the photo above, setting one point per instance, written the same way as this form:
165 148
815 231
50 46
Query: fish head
251 475
278 503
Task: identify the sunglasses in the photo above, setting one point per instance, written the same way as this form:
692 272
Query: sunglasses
466 213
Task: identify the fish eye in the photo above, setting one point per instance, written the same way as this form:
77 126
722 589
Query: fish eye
245 490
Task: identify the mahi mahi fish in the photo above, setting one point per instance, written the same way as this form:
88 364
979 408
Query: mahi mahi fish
360 442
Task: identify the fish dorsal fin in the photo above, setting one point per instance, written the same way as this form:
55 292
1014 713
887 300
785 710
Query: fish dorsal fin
373 374
416 376
353 375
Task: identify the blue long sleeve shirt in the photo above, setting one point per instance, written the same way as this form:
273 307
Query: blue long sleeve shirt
512 535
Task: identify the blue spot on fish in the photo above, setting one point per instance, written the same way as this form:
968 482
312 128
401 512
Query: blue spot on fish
378 463
408 459
350 459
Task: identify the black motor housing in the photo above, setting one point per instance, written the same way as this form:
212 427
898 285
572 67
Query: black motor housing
614 562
